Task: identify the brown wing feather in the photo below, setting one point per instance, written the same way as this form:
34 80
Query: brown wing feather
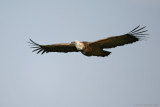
121 40
65 47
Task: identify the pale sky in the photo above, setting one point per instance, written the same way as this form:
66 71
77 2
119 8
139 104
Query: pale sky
128 77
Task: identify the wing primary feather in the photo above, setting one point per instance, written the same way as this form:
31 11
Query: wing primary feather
141 31
36 49
135 28
43 52
31 44
34 42
138 34
140 37
39 51
138 29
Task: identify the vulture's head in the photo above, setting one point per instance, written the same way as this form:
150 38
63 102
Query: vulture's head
80 46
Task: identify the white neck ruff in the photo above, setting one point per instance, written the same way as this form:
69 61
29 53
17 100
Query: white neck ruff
80 46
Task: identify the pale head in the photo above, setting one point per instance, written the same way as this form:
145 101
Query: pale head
78 45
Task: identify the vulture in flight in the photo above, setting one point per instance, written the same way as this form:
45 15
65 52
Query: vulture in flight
92 48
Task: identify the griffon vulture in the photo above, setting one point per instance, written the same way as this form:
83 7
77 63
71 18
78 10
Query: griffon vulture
92 48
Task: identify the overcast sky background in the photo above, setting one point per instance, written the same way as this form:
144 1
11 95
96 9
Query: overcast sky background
129 77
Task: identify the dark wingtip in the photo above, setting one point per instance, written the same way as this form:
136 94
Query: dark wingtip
32 42
138 31
36 47
135 28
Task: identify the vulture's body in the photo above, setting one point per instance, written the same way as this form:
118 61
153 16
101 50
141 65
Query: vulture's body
92 48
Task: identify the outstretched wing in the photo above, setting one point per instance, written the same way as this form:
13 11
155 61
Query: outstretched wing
65 47
114 41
